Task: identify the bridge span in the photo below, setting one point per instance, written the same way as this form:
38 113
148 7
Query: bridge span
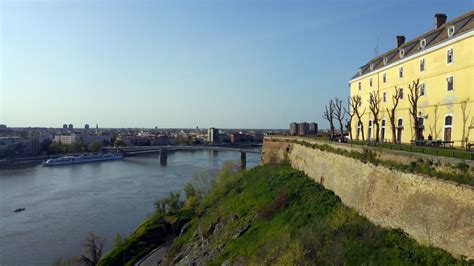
163 150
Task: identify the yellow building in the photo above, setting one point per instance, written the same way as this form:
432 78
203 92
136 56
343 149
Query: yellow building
443 62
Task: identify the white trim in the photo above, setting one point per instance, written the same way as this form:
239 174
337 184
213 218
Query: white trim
451 33
423 43
423 52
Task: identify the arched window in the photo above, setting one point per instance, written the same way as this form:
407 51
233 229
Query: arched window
382 131
369 130
359 124
448 127
399 129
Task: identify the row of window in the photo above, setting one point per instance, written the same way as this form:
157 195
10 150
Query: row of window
449 60
448 125
422 89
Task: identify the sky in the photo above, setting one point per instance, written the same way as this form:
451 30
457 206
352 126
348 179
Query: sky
177 63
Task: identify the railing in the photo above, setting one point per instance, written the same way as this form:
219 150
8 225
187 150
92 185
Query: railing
445 152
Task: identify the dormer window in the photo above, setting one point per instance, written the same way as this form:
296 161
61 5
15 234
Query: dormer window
402 53
371 67
360 71
451 31
423 44
385 60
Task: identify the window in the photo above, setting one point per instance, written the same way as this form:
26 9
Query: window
451 31
371 98
360 86
382 131
400 72
422 65
449 56
384 77
422 89
450 83
402 53
423 43
385 60
448 125
399 129
371 67
400 94
384 97
370 82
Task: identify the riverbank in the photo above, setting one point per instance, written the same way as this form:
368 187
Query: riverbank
274 214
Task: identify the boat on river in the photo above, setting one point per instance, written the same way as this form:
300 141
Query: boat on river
83 158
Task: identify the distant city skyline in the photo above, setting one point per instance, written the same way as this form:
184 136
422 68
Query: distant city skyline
182 64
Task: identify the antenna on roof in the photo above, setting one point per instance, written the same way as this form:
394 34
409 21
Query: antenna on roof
376 50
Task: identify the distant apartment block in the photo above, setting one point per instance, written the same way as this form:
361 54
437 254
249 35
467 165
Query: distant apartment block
84 138
303 128
212 135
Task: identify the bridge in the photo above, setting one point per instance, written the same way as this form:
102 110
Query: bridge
163 150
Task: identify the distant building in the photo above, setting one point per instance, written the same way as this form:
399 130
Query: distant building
70 127
293 128
313 128
86 127
212 135
65 126
240 137
303 128
84 138
3 127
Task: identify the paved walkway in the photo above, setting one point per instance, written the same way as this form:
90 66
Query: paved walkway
153 258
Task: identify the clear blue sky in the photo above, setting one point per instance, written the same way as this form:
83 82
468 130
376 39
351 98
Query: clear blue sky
223 63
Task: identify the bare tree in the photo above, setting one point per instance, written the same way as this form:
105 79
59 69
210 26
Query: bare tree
465 117
329 115
93 246
356 102
413 97
374 106
339 114
350 114
391 113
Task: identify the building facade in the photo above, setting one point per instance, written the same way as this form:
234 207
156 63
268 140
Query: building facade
442 60
212 135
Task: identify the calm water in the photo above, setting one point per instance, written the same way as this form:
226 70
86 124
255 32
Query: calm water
64 203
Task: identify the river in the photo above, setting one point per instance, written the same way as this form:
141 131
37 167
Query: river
64 203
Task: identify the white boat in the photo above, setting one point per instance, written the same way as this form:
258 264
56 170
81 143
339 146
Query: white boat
85 158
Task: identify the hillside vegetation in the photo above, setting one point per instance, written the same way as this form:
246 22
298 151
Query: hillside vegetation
274 214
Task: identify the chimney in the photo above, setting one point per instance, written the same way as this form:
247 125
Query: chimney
439 20
400 40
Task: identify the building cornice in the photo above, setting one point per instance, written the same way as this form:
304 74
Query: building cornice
420 53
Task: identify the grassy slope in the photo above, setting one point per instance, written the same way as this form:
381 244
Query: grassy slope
311 226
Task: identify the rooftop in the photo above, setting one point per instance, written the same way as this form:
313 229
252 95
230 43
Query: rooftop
456 27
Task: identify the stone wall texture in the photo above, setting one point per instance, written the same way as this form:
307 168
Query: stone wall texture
432 211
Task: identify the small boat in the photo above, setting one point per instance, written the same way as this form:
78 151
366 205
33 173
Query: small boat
84 158
19 210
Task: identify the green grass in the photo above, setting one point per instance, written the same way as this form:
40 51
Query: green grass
444 152
304 224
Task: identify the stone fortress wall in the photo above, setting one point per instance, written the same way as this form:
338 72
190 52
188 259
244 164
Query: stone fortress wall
432 211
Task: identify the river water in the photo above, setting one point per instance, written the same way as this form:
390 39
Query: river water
64 203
